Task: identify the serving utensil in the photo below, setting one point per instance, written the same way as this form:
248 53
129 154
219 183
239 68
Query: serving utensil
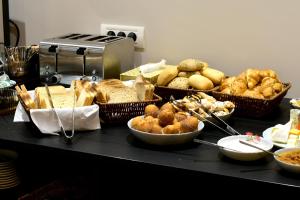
223 124
257 147
214 144
177 106
62 130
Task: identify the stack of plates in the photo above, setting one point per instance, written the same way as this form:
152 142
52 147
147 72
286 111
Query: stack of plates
8 174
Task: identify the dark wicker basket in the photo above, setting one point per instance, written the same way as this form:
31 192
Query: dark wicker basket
166 92
122 112
251 107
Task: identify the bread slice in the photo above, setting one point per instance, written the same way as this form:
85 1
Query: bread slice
59 100
144 91
25 97
85 98
41 92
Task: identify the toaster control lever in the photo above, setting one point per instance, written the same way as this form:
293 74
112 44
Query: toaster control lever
80 51
52 48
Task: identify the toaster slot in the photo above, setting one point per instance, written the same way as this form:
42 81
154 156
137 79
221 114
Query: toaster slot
96 38
79 37
69 35
110 39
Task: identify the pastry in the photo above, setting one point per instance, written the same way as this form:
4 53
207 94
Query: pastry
189 124
252 78
172 129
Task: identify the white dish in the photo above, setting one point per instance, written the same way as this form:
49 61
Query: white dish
239 151
166 139
267 135
287 166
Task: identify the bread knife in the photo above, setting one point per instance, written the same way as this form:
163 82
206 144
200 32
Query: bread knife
62 130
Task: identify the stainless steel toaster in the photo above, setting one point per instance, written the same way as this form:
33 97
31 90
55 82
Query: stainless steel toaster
84 56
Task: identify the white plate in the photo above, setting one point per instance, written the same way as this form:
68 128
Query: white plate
239 151
267 135
166 139
289 167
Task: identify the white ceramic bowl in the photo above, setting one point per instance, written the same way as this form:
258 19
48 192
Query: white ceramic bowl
287 166
233 149
166 139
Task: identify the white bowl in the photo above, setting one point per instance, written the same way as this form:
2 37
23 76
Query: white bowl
166 139
232 148
287 166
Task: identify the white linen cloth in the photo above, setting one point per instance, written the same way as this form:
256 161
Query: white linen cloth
86 118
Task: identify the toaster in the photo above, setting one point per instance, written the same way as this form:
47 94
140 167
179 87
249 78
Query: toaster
84 56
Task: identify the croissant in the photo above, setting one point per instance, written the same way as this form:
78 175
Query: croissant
268 73
253 94
252 77
227 82
238 87
268 92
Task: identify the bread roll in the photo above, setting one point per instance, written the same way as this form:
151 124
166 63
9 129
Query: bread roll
165 117
180 83
151 110
192 65
200 82
214 75
167 75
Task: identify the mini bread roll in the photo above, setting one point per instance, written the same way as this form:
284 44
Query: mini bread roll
165 117
191 65
167 75
189 124
214 75
168 106
200 82
172 129
179 82
151 110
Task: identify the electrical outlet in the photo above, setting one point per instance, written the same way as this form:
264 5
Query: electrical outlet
129 31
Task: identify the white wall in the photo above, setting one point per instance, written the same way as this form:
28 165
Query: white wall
229 34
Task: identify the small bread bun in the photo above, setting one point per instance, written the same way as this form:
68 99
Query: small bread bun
167 75
172 129
151 110
179 116
168 106
192 65
189 124
145 126
136 121
156 128
200 82
165 117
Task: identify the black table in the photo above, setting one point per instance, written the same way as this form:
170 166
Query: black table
117 152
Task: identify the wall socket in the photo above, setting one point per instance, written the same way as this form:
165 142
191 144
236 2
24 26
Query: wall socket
107 29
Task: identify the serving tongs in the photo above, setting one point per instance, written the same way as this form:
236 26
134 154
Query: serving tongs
67 137
223 125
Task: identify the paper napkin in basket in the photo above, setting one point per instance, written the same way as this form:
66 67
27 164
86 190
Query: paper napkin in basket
86 118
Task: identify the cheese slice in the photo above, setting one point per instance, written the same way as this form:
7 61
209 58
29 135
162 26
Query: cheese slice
280 135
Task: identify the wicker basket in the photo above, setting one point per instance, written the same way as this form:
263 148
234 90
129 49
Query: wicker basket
251 107
166 92
122 112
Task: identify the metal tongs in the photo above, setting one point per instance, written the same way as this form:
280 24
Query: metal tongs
62 130
223 125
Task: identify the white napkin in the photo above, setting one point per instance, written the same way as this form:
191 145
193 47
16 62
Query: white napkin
151 67
86 118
